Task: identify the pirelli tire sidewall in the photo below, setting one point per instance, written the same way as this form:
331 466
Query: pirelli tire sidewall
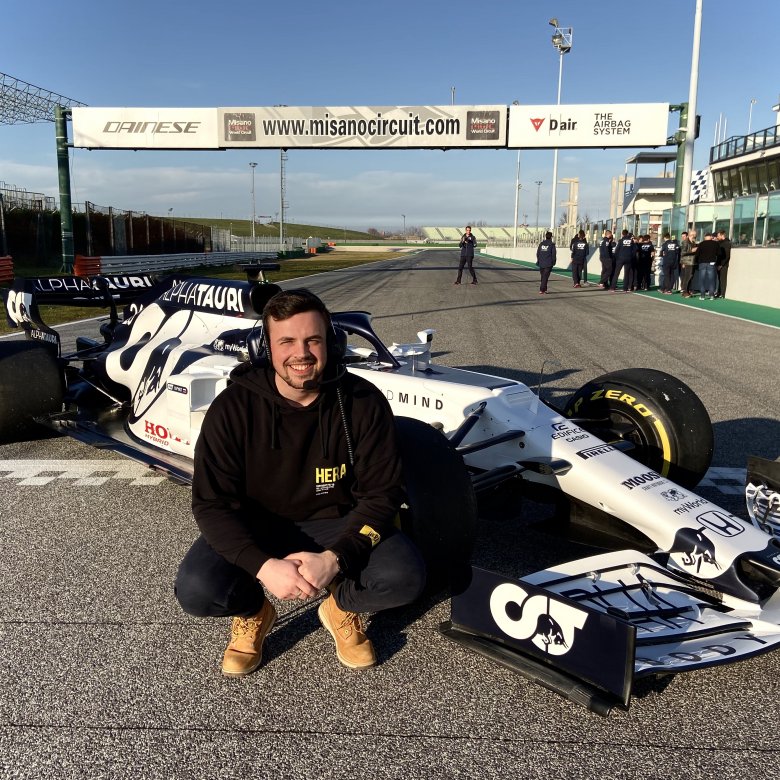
31 385
440 512
673 431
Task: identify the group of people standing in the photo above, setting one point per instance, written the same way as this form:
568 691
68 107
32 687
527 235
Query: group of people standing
633 257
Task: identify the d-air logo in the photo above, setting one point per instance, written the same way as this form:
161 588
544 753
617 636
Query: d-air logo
549 624
694 548
537 123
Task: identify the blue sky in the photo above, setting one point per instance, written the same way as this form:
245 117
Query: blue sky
174 53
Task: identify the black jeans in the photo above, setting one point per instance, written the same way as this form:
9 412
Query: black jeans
463 261
209 586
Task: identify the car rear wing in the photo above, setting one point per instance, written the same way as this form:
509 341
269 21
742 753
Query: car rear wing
23 299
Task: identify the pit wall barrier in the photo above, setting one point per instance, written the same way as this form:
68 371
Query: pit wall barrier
6 269
754 272
145 264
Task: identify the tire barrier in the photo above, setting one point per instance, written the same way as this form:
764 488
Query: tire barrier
86 266
6 269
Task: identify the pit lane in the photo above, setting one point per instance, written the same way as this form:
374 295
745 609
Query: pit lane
104 676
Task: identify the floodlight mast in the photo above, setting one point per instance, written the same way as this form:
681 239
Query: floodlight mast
562 40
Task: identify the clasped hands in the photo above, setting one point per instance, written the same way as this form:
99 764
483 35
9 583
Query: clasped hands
300 575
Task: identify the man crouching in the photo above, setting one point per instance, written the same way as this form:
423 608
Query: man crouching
297 483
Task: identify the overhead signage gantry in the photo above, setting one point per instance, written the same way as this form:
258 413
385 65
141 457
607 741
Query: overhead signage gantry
374 127
629 125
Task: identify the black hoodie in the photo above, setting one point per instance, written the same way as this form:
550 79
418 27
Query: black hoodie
259 461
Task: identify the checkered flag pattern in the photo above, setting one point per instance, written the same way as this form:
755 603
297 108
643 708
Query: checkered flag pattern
700 186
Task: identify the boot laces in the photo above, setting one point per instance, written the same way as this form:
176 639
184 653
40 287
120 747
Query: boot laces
349 623
244 626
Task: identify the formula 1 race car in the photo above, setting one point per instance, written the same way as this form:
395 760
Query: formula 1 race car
697 587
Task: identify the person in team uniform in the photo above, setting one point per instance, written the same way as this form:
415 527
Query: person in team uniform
579 255
670 263
645 255
546 255
625 253
607 257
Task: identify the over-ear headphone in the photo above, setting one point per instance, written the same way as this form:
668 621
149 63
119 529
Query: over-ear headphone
335 346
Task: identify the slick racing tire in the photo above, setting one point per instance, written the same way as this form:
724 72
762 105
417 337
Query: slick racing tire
440 512
664 420
31 384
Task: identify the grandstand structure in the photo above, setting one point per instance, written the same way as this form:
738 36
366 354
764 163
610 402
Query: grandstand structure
495 236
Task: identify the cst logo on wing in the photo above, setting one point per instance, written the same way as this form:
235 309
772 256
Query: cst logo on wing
549 624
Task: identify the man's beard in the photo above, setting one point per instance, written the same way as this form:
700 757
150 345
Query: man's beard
306 381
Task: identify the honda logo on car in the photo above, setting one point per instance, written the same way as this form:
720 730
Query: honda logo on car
640 479
159 434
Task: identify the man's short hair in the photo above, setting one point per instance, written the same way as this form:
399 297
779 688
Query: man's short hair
666 235
288 303
548 235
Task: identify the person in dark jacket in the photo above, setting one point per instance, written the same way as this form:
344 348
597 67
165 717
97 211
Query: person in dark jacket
687 257
580 249
645 256
546 257
707 255
723 263
296 486
624 261
607 257
467 246
670 263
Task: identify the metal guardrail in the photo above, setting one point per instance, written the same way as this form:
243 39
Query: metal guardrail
135 264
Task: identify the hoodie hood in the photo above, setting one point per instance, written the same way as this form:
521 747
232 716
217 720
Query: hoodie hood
261 380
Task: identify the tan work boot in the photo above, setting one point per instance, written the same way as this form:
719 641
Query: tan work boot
353 647
245 650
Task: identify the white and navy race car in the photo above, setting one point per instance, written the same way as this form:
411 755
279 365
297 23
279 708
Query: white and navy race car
697 587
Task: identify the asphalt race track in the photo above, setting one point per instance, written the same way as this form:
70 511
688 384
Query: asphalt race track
104 677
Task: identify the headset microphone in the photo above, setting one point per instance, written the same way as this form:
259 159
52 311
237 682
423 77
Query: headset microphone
311 384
